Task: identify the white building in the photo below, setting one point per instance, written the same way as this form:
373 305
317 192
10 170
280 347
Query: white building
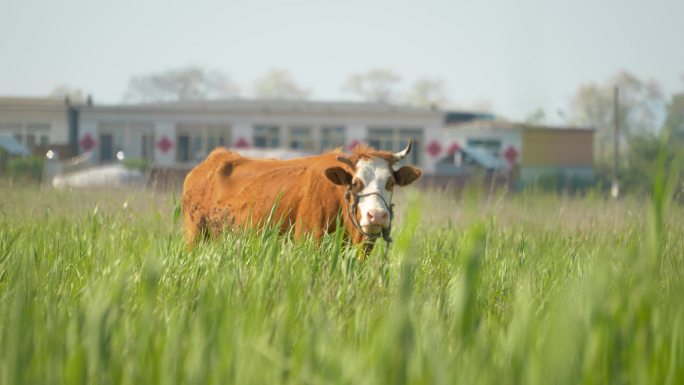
536 151
497 137
35 122
180 134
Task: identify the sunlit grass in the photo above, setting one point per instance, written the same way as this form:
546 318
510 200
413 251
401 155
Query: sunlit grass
99 288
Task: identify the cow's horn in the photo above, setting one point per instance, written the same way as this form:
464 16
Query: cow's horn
346 161
401 154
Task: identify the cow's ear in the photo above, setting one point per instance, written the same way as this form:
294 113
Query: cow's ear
407 175
339 176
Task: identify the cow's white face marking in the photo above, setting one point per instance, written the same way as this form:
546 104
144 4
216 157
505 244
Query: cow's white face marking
374 174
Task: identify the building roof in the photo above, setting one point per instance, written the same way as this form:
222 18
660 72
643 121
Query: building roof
273 106
483 124
458 117
485 159
479 156
35 103
501 124
12 146
532 127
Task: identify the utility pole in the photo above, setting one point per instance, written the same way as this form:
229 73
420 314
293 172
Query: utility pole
72 119
615 188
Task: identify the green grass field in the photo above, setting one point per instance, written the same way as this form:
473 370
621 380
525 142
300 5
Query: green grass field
97 288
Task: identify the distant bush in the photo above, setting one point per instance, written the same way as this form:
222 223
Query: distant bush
25 169
139 164
639 162
3 161
562 182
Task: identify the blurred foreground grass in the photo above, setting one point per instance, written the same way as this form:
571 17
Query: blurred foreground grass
96 287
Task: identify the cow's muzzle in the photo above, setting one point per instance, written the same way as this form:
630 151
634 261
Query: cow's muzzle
379 221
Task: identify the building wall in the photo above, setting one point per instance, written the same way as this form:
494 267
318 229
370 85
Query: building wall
176 128
557 153
558 147
32 120
545 152
507 137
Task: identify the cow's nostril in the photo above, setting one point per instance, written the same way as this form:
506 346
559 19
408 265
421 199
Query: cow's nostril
377 216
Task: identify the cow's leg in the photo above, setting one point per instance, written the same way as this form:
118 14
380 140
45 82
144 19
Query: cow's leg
194 222
189 226
190 233
196 231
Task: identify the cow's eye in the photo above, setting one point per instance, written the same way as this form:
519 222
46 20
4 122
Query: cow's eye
390 184
357 185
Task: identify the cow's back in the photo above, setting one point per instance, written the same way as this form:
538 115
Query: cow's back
228 190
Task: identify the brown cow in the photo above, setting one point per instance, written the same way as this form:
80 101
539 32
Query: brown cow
228 190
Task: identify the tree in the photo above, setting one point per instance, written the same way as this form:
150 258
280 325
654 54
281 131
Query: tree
537 116
640 162
643 141
377 85
640 104
278 84
188 83
426 93
674 122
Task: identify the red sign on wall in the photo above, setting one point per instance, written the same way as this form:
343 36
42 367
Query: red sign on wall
87 143
453 148
434 148
511 155
353 144
241 143
164 144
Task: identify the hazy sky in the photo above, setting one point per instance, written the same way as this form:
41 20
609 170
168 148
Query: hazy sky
518 55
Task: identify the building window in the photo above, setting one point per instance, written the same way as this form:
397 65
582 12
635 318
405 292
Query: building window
217 136
492 146
396 139
147 149
14 128
135 140
106 148
300 138
197 149
31 135
183 148
30 141
34 134
196 141
332 137
213 142
266 136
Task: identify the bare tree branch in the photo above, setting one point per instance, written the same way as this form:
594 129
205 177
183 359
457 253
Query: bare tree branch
377 85
426 93
189 83
278 84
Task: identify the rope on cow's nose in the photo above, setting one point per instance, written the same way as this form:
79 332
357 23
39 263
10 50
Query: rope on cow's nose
351 211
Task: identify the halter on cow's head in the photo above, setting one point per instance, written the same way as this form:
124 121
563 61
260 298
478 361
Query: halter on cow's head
370 180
